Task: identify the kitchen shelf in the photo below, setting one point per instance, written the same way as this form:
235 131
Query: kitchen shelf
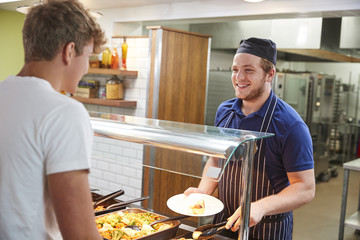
107 71
106 102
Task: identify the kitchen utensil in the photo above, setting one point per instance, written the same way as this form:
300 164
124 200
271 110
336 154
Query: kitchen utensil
108 196
120 206
134 227
208 231
169 219
127 202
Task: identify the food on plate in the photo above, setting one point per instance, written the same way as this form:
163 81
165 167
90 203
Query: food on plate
113 226
198 207
196 234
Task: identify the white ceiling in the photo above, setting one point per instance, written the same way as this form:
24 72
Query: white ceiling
97 4
185 11
323 7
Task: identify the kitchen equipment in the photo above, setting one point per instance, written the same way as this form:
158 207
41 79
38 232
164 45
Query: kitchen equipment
119 206
159 221
168 233
169 219
108 197
208 231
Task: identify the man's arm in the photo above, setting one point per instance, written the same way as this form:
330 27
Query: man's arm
300 191
207 185
71 197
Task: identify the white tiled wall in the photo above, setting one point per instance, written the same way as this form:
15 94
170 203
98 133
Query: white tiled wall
117 164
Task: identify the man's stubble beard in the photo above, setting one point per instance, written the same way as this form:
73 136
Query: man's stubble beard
256 93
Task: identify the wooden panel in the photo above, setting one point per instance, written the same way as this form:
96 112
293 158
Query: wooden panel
183 78
182 90
177 30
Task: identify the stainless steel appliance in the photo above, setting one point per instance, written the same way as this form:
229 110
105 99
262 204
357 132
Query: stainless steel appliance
316 97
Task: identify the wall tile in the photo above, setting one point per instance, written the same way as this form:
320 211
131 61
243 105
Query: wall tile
117 164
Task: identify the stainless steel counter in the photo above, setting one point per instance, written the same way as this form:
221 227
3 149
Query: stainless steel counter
352 221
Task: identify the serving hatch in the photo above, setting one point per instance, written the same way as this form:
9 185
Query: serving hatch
200 140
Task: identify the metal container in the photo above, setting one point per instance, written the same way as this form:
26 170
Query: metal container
164 234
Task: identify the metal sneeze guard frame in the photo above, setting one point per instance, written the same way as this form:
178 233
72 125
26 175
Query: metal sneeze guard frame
194 138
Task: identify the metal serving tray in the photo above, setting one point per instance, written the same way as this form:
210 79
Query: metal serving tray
164 234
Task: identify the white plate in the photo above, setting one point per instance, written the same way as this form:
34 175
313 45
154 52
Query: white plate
180 204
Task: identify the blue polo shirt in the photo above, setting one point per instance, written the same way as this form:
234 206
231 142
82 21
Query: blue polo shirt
290 150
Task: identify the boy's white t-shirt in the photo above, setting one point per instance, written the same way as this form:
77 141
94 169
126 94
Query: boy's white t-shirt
41 132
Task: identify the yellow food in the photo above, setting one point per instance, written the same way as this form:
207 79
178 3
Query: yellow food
99 208
196 234
198 207
113 226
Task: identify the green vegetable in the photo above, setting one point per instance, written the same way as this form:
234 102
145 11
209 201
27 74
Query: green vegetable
112 219
117 234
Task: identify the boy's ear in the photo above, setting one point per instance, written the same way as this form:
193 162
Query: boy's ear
68 52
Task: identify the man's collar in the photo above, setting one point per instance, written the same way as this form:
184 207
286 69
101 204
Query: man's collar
261 112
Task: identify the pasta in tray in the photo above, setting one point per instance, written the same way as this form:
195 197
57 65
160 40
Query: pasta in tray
113 226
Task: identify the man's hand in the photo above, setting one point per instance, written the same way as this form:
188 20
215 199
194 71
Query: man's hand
300 191
193 190
256 214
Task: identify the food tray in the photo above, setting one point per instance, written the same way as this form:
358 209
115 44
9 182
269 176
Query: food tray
164 234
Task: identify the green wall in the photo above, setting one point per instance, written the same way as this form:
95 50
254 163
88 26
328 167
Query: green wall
11 47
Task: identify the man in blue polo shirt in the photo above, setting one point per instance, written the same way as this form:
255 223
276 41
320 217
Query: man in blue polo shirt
283 174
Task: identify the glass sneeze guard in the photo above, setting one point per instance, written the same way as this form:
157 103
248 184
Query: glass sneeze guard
194 138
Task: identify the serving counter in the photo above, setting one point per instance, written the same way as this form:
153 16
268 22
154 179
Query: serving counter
207 141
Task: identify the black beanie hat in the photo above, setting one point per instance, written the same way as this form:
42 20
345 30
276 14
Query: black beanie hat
264 48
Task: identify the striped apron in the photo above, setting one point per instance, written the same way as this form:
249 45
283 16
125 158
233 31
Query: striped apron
274 227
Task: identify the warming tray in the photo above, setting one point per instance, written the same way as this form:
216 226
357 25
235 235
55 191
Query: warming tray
164 234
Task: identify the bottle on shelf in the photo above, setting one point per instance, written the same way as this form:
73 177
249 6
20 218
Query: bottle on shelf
114 88
114 59
106 58
124 48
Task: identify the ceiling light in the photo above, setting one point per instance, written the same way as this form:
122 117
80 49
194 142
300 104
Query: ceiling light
6 1
254 1
25 9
